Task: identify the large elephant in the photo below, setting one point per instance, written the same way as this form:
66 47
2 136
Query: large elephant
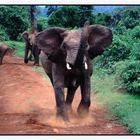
30 47
66 57
3 49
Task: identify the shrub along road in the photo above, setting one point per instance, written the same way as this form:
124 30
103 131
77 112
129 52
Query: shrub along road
27 106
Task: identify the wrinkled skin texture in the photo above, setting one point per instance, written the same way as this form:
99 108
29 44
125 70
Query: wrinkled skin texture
66 58
30 48
3 50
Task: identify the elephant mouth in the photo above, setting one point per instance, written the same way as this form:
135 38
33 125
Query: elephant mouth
70 67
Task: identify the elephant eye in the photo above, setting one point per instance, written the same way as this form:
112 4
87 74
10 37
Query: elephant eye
65 46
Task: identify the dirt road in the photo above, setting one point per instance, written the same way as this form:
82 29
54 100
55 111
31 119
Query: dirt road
27 106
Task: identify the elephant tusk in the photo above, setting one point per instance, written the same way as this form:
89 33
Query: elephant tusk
88 47
68 66
86 66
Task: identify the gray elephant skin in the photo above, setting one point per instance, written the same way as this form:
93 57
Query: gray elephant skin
66 57
30 47
3 49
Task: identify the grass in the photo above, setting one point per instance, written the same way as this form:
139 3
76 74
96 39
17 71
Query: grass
18 47
123 105
41 71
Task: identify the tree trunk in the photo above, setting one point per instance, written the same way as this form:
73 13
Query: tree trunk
32 19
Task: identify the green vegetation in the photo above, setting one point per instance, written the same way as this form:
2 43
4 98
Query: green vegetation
3 34
15 19
18 47
120 104
41 23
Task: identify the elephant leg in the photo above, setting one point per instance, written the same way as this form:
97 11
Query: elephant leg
2 55
69 97
83 107
36 55
30 56
26 54
58 85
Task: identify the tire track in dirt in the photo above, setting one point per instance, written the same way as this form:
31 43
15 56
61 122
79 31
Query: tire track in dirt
27 106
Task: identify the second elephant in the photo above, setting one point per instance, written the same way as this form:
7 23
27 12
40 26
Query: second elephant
30 47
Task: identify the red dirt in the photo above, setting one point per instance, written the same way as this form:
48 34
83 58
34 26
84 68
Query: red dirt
27 106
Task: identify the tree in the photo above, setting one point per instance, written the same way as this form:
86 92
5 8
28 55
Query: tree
14 19
129 16
71 16
51 9
85 13
66 16
103 19
32 18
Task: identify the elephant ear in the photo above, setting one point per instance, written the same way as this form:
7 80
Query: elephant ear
99 37
25 35
49 41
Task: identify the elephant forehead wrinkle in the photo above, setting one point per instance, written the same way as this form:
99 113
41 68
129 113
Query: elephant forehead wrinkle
73 38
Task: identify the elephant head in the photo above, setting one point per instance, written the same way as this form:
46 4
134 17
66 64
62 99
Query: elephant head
29 39
74 46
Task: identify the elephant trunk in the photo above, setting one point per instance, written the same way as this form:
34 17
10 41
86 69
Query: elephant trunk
80 59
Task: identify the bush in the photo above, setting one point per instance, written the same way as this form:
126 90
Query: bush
118 51
135 32
131 77
15 19
3 35
120 28
129 16
41 24
135 52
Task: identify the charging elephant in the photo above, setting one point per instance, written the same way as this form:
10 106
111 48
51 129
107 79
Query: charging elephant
30 47
66 58
3 50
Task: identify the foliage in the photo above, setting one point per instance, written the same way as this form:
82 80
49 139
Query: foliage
129 16
51 9
41 23
18 47
85 13
120 104
14 19
119 50
120 28
3 34
102 18
71 16
131 77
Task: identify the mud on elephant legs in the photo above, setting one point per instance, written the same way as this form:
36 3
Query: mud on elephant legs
83 107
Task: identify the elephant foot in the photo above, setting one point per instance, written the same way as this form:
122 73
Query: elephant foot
83 111
69 109
63 115
25 61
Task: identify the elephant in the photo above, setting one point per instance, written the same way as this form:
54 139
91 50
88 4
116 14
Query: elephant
66 56
3 50
29 39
